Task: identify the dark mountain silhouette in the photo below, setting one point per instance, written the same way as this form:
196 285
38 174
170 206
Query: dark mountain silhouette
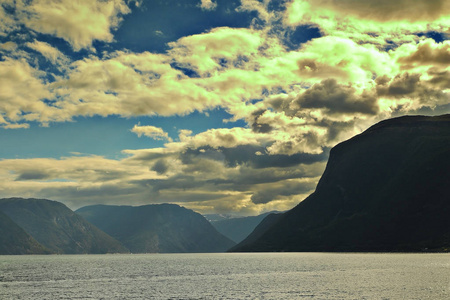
14 240
164 228
237 229
58 228
387 189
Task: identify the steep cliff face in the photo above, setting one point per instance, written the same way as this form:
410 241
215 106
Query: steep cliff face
387 189
57 228
164 228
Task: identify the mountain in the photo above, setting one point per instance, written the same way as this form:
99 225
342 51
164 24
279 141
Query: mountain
57 228
386 189
260 229
163 228
239 228
217 217
14 240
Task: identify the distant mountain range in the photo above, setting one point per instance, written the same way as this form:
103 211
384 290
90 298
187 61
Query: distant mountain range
39 226
55 227
387 189
236 228
157 228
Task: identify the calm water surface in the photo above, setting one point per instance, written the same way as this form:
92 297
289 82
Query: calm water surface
226 276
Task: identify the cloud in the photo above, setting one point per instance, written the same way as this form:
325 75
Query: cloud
224 137
337 99
200 179
439 78
8 46
225 67
131 85
23 92
280 190
78 22
212 51
386 10
15 126
160 166
410 92
425 54
153 132
75 180
260 7
386 24
49 52
7 22
208 5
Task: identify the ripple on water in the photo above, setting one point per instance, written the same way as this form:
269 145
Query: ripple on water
226 276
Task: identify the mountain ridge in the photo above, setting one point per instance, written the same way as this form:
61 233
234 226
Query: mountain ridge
58 228
385 189
157 228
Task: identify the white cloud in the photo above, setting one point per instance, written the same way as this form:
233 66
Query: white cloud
8 46
16 126
78 22
49 52
23 92
153 132
208 5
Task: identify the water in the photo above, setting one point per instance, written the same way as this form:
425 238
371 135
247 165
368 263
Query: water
226 276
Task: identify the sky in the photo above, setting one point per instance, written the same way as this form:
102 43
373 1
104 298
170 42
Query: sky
221 106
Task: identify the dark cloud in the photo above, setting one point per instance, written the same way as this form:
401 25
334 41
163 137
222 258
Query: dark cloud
256 125
149 156
33 175
337 99
253 156
335 129
160 166
247 178
439 78
411 86
401 85
267 195
427 55
181 181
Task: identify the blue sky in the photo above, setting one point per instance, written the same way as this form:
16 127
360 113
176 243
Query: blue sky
217 105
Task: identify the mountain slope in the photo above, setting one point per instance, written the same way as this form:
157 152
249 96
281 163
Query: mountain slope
58 228
259 230
386 189
164 228
237 229
14 240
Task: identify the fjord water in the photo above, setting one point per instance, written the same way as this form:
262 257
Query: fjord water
226 276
